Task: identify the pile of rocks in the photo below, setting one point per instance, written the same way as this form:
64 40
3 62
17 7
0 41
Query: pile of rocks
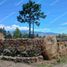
22 59
48 47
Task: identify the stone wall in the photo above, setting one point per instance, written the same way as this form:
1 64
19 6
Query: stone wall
48 47
62 48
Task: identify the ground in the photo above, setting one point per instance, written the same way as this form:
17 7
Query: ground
58 65
12 64
61 65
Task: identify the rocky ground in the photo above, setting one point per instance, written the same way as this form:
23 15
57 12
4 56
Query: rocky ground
60 65
4 63
12 64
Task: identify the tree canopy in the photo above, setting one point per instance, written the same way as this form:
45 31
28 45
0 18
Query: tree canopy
17 33
31 13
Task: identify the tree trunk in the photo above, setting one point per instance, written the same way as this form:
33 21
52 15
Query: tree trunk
29 30
33 29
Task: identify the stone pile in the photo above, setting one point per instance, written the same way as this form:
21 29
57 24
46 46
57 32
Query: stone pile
48 47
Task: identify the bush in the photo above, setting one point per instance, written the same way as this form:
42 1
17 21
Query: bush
62 60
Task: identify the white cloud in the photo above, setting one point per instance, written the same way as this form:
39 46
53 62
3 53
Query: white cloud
13 27
43 29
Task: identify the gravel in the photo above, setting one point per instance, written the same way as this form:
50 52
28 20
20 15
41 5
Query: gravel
12 64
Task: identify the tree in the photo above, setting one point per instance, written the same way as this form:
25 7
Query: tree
31 13
2 30
37 35
17 33
25 35
8 35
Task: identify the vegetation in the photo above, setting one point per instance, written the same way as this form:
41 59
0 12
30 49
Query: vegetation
25 35
62 37
8 35
17 33
2 30
62 60
44 65
31 13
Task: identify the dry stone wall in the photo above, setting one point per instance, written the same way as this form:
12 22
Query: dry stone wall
48 47
62 48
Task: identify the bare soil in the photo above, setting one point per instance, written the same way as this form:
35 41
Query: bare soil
4 63
12 64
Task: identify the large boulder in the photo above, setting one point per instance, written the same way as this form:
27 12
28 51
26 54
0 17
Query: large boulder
49 48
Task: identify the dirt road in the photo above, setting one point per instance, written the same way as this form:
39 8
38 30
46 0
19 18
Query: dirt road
60 65
12 64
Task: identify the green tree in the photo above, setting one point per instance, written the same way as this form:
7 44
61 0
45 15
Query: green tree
17 33
2 30
25 35
31 13
8 35
37 35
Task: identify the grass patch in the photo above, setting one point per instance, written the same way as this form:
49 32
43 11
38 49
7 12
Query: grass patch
44 65
62 60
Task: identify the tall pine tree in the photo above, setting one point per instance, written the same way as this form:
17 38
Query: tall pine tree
31 13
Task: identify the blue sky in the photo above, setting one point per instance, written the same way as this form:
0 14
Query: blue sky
56 11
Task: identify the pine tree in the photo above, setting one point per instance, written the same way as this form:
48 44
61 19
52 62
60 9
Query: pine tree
17 33
31 13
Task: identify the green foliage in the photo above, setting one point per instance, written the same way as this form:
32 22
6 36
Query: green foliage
17 33
44 65
62 60
25 35
62 37
8 35
31 13
2 30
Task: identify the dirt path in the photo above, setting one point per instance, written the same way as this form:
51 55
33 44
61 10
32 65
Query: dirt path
12 64
60 65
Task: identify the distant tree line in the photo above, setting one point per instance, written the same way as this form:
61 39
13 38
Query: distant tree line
62 37
15 34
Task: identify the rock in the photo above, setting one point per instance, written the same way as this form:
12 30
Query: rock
50 47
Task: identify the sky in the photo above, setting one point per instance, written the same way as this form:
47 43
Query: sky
56 11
